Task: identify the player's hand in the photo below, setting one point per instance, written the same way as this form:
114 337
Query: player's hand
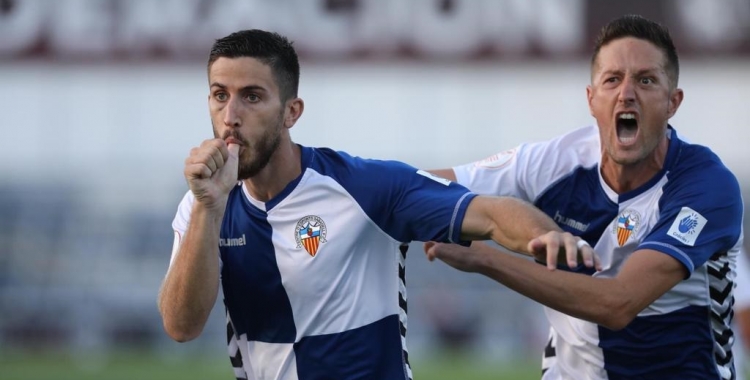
211 171
562 247
462 258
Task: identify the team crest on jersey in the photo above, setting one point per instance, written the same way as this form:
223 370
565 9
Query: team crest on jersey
310 233
626 226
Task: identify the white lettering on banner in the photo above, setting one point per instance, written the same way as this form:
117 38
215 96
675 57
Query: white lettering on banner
335 28
186 27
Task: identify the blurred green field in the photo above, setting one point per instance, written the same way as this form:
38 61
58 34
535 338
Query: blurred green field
140 366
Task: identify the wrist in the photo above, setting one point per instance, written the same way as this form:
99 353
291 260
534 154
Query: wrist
210 210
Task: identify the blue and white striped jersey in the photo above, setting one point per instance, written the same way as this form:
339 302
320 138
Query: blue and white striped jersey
313 279
692 211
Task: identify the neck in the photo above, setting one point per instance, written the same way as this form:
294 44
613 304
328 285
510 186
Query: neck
626 177
284 166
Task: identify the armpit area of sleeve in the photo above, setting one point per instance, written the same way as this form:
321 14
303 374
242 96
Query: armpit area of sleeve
673 251
462 175
457 220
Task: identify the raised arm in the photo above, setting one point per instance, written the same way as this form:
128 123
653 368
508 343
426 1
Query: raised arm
191 284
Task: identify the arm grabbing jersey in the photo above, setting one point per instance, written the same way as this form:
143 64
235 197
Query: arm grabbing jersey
690 211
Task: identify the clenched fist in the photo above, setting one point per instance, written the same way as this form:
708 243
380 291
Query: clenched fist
211 172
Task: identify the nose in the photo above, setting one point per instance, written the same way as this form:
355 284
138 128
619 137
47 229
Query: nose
231 116
627 91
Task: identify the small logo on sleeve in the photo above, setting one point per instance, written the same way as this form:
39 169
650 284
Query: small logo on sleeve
433 177
310 233
687 226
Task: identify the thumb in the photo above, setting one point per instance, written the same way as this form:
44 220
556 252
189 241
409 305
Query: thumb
231 166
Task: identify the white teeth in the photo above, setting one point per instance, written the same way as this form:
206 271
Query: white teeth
627 116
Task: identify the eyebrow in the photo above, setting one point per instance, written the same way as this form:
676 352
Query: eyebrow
243 89
637 73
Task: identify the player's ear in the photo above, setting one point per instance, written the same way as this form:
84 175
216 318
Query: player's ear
589 96
294 109
675 99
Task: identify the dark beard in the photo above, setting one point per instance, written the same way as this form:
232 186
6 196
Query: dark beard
264 149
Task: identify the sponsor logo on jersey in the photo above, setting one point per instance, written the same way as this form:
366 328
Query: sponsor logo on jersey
498 160
310 233
626 226
570 222
687 226
233 242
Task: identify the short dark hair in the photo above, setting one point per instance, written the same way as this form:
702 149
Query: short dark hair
270 48
642 28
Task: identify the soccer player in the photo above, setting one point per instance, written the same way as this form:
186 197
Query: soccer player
664 216
308 243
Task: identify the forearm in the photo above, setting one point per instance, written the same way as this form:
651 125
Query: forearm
510 222
522 223
587 298
191 286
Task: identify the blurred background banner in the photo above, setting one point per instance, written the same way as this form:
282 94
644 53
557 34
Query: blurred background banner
141 30
101 101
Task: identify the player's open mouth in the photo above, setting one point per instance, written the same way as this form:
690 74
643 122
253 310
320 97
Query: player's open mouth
627 127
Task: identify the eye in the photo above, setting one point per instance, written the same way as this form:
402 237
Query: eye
252 98
221 96
647 80
610 80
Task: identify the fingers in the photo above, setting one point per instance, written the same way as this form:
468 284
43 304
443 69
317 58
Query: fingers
571 249
586 253
195 168
207 159
559 246
595 258
553 250
429 249
217 157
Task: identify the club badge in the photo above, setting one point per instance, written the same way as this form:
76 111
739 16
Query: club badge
626 226
310 233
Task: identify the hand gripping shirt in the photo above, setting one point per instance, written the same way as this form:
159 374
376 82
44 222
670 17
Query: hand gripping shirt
691 210
314 279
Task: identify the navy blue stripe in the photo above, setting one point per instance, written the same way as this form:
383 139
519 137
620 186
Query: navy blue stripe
579 197
404 204
678 345
307 156
253 294
369 352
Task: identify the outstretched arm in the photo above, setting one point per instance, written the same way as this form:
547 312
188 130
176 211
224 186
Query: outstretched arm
515 224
